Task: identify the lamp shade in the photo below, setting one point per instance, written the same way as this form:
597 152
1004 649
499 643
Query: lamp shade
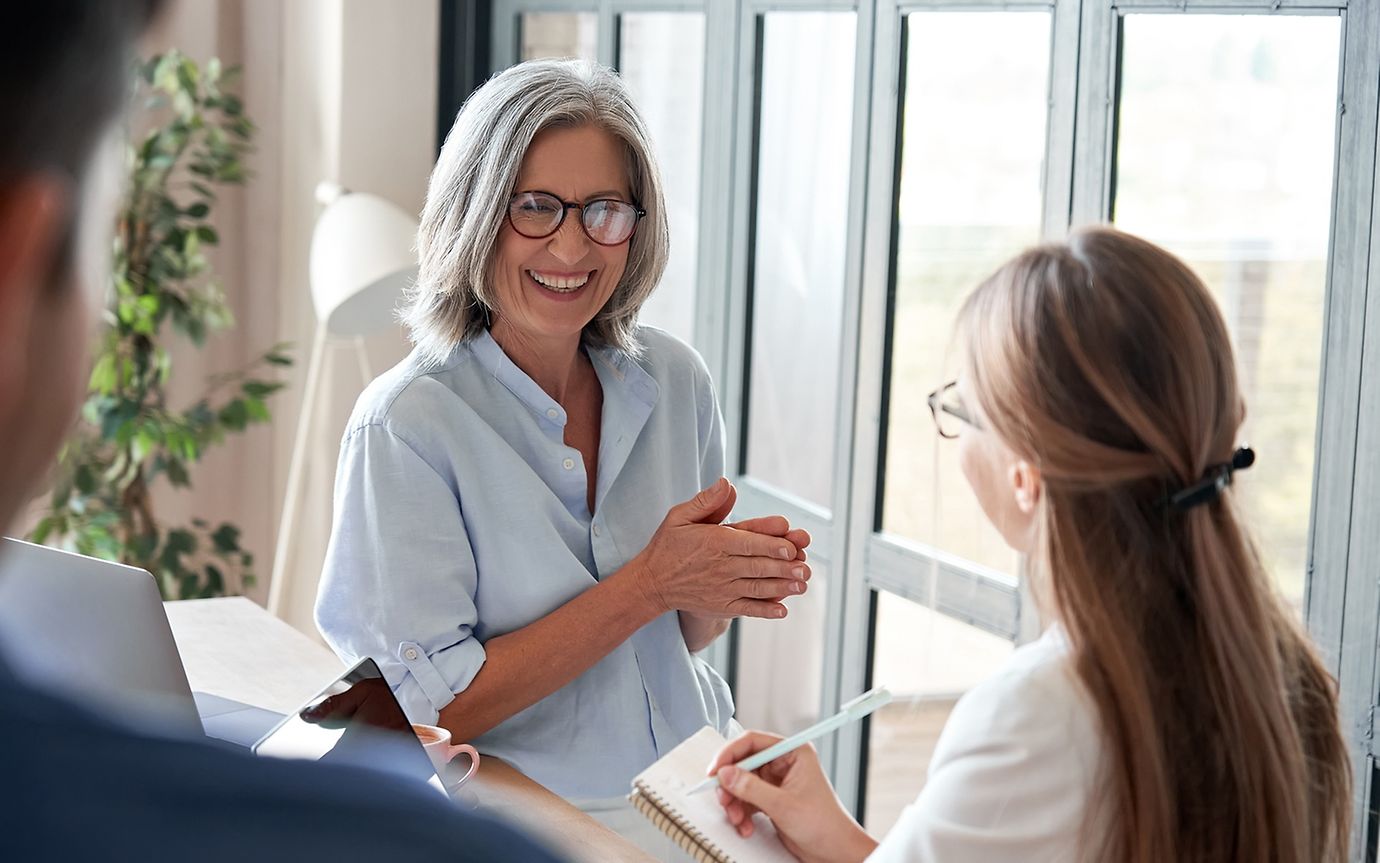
361 260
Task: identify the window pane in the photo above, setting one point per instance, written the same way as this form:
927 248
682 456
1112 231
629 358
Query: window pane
927 660
781 662
559 34
801 214
972 144
1225 157
662 61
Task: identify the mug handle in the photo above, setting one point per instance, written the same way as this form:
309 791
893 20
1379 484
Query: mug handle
454 749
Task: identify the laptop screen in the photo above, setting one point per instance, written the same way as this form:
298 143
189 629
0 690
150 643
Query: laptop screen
355 721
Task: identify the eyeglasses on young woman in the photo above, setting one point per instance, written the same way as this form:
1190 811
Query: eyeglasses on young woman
948 410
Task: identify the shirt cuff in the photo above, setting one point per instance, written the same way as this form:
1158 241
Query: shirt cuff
433 680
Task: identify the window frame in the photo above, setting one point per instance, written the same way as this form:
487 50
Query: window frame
1342 593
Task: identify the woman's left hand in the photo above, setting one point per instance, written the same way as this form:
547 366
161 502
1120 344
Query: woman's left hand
700 630
776 525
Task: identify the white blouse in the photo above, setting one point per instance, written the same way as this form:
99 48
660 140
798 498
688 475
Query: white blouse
1013 771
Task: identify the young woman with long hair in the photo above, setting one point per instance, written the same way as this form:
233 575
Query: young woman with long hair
1174 709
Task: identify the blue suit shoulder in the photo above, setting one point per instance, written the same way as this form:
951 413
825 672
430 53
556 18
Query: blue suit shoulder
87 789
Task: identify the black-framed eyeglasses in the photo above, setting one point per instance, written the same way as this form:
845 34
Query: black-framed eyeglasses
606 221
947 408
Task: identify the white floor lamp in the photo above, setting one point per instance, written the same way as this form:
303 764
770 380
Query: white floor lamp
361 260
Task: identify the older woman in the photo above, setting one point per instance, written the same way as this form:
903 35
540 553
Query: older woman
528 530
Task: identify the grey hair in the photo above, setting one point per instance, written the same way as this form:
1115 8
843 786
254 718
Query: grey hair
467 200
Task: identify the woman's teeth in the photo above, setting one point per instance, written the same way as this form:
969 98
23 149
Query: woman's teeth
560 284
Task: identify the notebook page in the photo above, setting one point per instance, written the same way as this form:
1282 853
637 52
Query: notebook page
682 769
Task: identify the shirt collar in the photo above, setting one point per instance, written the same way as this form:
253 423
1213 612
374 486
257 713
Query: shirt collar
619 376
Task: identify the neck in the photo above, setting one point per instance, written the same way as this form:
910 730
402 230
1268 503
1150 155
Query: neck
551 362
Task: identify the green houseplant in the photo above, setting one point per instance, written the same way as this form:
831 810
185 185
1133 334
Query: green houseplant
130 437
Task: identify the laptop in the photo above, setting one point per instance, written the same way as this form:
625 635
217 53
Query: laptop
96 632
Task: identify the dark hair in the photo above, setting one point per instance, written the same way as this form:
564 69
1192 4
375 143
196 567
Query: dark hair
63 75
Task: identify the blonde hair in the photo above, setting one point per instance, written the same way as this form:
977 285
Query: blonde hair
467 200
1104 361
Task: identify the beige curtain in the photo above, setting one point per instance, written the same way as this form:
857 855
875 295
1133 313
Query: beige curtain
341 90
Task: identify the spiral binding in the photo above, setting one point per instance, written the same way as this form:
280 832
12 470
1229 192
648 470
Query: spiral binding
669 821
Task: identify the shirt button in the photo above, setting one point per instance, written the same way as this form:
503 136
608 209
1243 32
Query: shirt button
568 464
410 653
596 530
552 413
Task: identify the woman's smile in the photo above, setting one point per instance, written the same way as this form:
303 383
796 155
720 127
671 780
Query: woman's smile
559 286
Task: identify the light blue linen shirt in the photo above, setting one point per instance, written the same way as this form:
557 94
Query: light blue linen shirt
461 514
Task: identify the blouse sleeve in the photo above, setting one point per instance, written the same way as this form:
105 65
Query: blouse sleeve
400 578
711 425
1009 780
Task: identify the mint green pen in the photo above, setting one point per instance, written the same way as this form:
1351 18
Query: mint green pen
853 710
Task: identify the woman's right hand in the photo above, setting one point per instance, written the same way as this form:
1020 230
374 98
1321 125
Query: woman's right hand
795 794
693 563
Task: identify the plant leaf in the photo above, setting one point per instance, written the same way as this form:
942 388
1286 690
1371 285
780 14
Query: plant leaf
226 538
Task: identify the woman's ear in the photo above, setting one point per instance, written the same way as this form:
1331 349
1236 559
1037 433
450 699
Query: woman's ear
1026 485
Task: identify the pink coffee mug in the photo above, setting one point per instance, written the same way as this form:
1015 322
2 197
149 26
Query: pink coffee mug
436 742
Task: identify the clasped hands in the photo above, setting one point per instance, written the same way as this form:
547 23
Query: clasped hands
698 564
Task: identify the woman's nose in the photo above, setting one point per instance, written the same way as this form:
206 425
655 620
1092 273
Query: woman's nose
569 243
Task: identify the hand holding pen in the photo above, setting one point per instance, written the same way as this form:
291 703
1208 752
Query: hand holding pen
792 789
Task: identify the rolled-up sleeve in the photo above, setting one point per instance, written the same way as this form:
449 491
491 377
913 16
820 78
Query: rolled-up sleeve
399 580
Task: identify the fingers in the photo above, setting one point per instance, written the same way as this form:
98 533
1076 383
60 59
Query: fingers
740 747
765 609
752 790
718 515
771 588
739 813
798 538
767 525
745 543
775 526
705 505
760 567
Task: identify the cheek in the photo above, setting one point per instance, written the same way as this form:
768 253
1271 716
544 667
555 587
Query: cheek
614 264
982 467
505 272
975 469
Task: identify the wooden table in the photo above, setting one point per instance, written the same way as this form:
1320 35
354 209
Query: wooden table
233 648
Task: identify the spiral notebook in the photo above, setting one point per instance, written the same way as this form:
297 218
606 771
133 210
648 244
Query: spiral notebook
696 822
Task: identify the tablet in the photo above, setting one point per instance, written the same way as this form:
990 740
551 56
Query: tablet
355 721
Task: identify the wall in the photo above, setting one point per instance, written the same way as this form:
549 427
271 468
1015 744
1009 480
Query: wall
341 90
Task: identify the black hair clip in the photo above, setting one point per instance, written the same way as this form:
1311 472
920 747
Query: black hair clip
1215 479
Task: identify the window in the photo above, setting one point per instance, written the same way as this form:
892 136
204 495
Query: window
799 214
972 133
839 173
1225 157
784 694
558 35
927 660
972 147
661 56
